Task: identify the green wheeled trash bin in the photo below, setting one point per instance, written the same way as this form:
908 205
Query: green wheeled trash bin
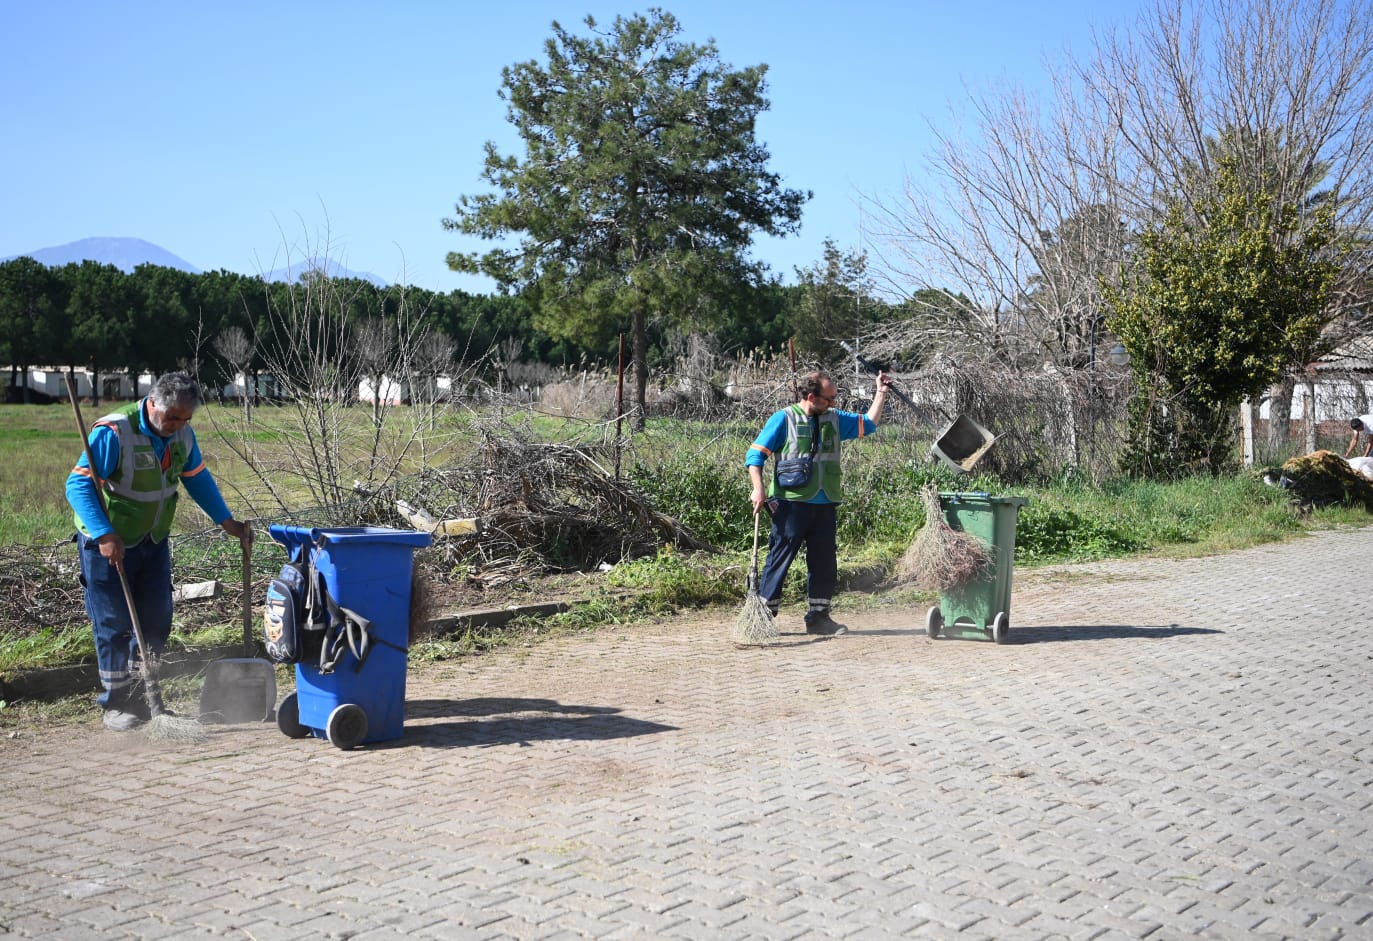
982 604
354 694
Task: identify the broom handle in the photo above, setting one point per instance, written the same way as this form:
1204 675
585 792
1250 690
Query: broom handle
756 516
891 386
246 544
151 691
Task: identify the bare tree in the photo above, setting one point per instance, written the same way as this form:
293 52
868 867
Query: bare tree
375 347
237 348
324 337
1003 246
1010 235
1284 88
433 357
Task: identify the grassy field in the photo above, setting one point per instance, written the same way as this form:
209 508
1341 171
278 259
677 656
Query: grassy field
39 445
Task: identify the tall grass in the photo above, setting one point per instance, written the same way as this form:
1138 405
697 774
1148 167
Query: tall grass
39 446
37 452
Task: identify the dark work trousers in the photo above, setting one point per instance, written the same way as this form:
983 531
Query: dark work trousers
813 525
148 566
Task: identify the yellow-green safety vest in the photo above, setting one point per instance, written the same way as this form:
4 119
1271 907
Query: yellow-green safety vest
141 494
827 472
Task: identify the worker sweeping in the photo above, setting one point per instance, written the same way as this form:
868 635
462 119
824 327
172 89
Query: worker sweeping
137 455
806 489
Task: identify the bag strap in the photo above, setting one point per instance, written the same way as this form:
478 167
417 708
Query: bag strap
347 630
814 434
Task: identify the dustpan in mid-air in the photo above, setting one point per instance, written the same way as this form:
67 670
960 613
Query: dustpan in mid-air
962 444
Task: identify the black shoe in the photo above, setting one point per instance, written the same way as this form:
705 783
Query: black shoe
117 720
824 626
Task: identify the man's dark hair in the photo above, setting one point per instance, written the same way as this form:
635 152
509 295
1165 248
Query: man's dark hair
1356 424
812 384
175 388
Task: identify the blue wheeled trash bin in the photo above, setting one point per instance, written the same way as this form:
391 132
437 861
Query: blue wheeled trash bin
982 604
354 692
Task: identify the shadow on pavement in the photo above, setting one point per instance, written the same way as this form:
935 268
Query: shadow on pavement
1052 634
577 723
1076 632
495 706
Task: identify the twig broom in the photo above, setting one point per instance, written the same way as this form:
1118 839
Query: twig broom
755 624
162 726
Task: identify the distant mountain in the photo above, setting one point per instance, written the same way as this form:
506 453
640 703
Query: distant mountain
128 253
333 269
124 253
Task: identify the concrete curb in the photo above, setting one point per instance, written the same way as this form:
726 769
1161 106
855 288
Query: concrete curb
55 682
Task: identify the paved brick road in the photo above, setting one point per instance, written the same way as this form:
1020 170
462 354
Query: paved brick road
1167 749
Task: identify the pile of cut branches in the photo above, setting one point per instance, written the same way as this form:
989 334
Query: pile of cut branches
39 586
551 506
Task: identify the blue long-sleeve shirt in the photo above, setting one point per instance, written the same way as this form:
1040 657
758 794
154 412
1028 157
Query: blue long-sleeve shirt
105 450
773 438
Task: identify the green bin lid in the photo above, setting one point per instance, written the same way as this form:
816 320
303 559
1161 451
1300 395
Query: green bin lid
982 497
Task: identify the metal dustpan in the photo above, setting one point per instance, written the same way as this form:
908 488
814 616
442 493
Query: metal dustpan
962 444
240 689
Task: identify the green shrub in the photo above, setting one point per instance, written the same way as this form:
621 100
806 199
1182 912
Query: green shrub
882 502
670 581
1046 533
706 497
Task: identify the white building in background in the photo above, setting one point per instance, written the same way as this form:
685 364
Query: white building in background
398 392
1335 388
51 382
261 386
390 391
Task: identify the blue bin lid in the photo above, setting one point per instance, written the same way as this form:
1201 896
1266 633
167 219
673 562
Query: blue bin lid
373 534
297 535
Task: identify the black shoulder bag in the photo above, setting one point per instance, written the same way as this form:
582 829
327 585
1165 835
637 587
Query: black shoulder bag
793 473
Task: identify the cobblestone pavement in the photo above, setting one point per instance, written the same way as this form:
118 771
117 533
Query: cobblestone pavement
1165 749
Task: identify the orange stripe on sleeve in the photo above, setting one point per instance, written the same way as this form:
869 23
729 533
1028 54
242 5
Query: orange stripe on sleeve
759 447
196 470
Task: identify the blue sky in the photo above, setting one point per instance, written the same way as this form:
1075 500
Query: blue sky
235 134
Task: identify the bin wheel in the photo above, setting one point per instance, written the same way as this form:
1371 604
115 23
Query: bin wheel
288 718
347 726
1001 627
934 622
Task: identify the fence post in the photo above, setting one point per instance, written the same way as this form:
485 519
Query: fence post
1308 392
1247 432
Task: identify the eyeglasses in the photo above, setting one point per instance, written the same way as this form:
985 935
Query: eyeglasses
175 415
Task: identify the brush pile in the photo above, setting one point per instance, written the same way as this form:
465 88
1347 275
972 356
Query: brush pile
548 507
1323 478
941 557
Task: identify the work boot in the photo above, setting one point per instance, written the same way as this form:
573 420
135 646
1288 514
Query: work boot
820 623
117 720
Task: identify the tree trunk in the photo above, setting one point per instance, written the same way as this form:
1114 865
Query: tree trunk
1280 419
639 328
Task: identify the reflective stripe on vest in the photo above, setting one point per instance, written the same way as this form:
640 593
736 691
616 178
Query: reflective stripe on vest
828 472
